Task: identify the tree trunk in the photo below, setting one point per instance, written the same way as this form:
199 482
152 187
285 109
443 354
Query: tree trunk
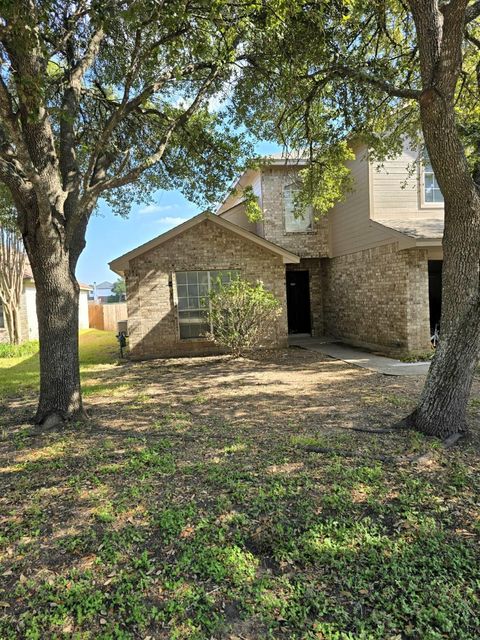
57 312
12 320
443 404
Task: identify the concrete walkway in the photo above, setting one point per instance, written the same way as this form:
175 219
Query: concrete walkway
352 355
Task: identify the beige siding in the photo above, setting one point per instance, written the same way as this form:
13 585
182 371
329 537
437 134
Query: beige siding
251 178
396 189
349 220
237 215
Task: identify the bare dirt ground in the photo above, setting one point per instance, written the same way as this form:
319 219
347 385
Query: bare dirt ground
191 507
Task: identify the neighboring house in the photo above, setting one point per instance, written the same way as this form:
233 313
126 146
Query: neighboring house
28 311
102 292
368 272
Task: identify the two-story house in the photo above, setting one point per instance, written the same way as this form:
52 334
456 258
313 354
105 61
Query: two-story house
368 272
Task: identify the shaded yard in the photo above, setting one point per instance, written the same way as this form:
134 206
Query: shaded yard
190 507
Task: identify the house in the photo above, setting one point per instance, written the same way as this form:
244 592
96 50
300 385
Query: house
101 292
368 272
28 311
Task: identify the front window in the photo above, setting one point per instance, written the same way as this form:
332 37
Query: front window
193 288
432 193
295 221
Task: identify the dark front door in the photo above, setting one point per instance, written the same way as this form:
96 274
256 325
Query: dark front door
435 292
298 302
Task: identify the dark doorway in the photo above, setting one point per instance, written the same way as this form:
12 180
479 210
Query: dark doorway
298 302
435 292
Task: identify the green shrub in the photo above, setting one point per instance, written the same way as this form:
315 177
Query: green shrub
19 350
241 313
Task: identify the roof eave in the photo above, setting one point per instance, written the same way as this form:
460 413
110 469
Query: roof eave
119 265
409 240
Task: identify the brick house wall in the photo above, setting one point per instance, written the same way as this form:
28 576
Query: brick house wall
312 244
378 298
152 314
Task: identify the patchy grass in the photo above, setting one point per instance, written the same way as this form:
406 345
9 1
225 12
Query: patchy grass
18 350
418 357
190 509
19 366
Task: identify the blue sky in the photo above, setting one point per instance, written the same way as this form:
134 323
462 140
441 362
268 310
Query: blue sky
110 236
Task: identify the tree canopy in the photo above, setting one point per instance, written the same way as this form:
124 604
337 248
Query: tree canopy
118 93
110 99
323 73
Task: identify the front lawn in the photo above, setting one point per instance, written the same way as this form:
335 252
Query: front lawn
191 507
19 367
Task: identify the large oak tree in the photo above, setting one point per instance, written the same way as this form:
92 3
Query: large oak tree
105 99
323 71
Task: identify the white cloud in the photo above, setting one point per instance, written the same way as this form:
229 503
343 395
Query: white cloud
171 220
157 208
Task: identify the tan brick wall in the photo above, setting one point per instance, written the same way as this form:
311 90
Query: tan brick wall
313 266
378 298
313 244
152 314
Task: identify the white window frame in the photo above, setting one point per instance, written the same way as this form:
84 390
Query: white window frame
307 214
233 273
426 169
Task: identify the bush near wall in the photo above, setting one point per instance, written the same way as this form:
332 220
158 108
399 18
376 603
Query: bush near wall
241 314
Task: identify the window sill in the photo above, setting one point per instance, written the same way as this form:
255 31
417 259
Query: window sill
300 233
432 205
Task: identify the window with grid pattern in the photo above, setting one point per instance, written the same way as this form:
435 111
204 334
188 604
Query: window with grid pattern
193 288
432 191
295 221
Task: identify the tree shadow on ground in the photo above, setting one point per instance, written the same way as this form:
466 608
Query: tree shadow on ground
189 507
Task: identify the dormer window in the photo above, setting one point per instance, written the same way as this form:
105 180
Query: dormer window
431 188
295 221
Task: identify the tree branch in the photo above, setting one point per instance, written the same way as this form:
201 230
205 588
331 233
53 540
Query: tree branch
70 105
472 12
133 174
86 62
92 193
367 78
11 127
125 107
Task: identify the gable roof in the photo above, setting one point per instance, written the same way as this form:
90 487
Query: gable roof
234 197
417 228
120 264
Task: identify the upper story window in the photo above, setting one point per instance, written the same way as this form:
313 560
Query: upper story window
431 189
295 221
